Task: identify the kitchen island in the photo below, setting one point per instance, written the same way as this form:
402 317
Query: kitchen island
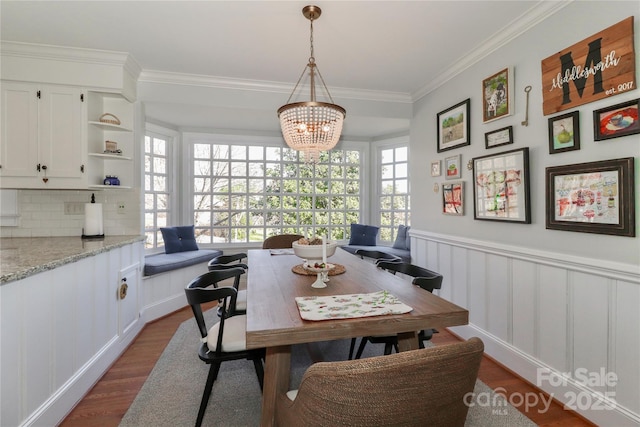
68 309
23 257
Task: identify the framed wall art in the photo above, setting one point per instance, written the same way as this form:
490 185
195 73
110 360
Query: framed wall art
452 169
501 187
577 75
435 168
564 133
595 197
454 127
453 198
498 137
616 120
497 95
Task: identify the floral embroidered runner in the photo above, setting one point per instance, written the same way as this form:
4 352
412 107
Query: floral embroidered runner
350 306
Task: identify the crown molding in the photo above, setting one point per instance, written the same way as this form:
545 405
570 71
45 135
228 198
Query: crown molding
529 19
170 78
72 54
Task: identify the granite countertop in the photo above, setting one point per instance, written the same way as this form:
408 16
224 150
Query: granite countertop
23 257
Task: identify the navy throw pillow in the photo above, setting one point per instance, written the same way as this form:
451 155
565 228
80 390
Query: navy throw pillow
402 238
363 235
179 239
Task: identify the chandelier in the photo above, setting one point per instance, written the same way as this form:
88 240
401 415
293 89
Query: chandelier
311 126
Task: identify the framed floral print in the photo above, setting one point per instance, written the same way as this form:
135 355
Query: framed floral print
452 169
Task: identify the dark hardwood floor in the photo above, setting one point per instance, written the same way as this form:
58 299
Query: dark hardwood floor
108 401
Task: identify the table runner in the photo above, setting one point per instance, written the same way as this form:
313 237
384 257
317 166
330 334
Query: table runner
350 306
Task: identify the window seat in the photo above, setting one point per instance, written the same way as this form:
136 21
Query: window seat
404 254
160 263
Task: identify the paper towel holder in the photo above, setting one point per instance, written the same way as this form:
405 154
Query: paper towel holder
92 236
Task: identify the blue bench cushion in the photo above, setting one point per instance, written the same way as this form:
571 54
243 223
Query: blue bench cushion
159 263
404 254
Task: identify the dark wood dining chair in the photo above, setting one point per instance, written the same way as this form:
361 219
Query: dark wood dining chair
423 387
226 339
377 256
281 241
225 262
427 280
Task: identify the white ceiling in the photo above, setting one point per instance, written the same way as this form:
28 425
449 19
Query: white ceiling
386 50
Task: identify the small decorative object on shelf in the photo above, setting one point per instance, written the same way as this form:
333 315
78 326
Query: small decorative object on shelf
110 146
109 118
111 180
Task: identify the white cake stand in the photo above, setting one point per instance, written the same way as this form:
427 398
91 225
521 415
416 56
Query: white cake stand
323 274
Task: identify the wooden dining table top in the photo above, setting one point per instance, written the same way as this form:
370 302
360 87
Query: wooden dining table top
273 318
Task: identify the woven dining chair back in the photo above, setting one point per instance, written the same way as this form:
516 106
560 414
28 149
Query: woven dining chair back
281 241
413 388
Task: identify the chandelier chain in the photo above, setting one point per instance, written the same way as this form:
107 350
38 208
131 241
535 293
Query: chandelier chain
311 58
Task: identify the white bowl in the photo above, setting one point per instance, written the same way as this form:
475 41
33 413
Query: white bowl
314 252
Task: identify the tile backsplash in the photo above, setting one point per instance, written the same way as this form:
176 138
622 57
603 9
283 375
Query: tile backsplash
42 213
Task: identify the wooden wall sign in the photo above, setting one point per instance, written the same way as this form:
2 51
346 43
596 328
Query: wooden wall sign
599 66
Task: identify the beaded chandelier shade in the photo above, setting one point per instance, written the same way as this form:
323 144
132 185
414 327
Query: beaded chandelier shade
311 126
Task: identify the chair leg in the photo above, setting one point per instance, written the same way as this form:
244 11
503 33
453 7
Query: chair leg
352 347
257 363
387 348
213 374
363 342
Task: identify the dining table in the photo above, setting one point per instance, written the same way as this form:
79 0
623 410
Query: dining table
274 319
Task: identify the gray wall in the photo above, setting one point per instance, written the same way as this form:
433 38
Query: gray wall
568 26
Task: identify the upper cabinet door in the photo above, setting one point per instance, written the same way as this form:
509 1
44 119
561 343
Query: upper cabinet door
19 137
61 147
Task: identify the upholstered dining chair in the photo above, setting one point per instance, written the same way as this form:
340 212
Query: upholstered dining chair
226 339
412 388
225 262
427 280
281 241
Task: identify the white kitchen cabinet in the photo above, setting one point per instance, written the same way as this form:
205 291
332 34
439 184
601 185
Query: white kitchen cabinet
61 330
42 136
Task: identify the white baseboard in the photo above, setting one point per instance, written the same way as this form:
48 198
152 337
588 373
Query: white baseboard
56 407
590 405
162 308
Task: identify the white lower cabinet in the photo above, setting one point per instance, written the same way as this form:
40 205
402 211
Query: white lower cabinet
61 330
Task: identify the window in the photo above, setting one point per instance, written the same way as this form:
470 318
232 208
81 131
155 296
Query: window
393 195
157 187
245 193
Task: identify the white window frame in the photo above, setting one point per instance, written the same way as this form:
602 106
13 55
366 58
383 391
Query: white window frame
172 139
376 164
191 138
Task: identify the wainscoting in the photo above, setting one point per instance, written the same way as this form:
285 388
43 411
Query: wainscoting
548 311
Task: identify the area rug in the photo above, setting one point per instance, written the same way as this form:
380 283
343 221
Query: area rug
172 392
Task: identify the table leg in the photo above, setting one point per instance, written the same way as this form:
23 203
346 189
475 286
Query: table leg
407 341
276 381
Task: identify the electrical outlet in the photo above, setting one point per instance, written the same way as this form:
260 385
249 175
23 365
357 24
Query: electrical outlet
73 208
121 208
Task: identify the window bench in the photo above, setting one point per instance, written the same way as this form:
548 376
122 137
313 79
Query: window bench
160 263
165 277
